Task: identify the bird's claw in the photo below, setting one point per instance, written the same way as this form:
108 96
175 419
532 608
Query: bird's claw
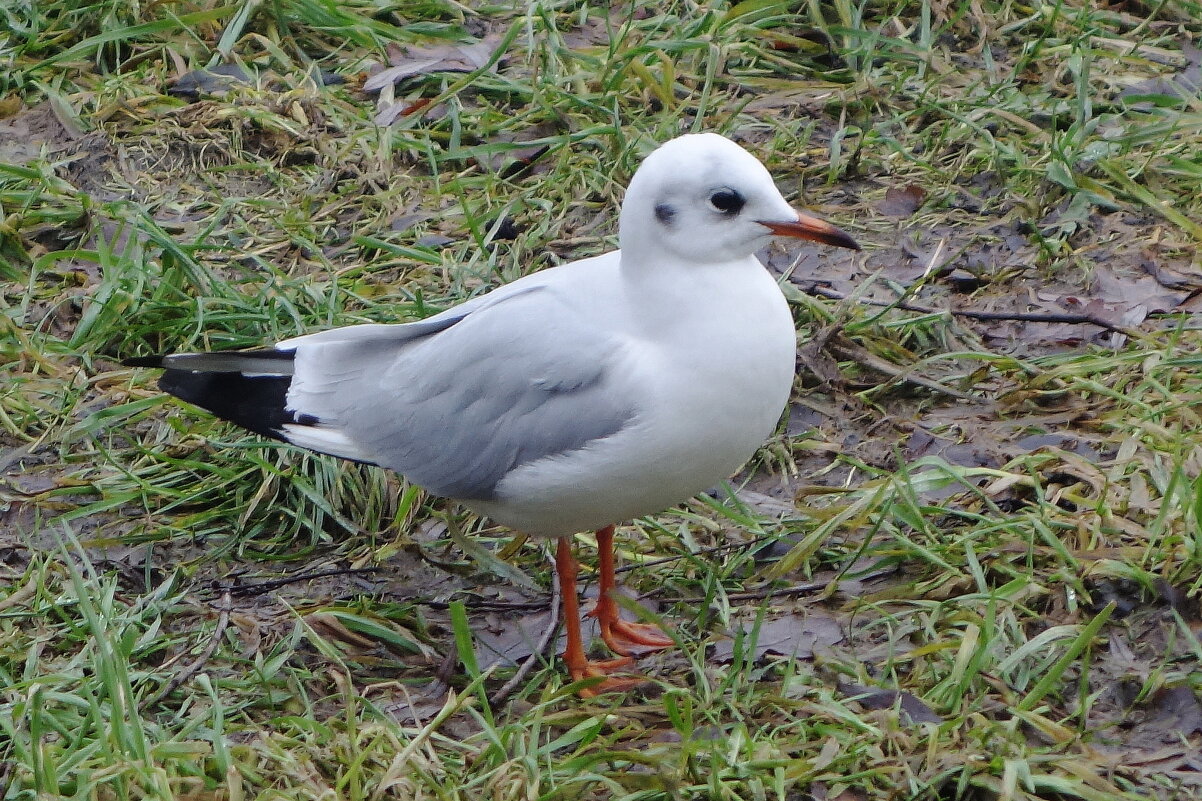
600 668
628 638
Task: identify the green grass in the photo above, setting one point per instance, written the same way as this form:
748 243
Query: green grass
1028 573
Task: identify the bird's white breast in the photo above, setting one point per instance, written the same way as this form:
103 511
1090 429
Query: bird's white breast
710 365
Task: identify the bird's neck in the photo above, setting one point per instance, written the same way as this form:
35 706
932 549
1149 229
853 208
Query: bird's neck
652 266
670 292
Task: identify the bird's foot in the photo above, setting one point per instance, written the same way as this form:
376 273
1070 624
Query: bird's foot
628 639
590 669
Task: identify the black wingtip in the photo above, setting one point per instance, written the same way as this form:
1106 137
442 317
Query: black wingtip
257 403
143 361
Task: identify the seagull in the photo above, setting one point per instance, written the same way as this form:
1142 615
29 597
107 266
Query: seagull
572 399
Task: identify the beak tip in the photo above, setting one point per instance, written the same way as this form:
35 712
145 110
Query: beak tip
812 228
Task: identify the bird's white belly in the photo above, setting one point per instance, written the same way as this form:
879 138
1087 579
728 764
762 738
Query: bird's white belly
709 405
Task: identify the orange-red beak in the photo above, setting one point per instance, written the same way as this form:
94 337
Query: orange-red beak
807 227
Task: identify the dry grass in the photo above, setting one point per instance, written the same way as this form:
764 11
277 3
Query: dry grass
967 566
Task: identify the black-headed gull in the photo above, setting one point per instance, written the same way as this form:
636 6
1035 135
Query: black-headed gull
574 398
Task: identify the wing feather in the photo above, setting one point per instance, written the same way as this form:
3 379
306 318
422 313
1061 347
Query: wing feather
454 409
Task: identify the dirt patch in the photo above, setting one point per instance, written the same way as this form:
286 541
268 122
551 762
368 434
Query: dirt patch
34 133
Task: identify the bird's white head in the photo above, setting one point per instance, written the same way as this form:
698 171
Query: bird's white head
704 200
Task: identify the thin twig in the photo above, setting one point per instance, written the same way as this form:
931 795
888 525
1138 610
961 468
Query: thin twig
1024 317
274 584
481 605
795 589
223 619
552 628
850 350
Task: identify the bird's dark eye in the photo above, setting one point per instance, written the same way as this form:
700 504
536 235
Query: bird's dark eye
727 201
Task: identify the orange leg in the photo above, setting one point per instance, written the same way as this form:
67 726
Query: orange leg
622 637
579 666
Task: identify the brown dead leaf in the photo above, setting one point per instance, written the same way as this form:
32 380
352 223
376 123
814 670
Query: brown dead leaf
330 627
418 710
820 791
1172 90
814 356
1124 292
402 108
1169 278
795 635
1177 710
599 28
1179 598
517 160
765 505
249 631
24 135
209 81
879 698
510 638
978 450
1160 736
32 483
449 57
902 201
803 95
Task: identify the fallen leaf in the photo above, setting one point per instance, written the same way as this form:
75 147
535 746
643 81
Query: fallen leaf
1179 598
820 791
510 638
32 483
598 31
26 135
364 632
1178 710
401 108
765 505
451 57
208 81
815 357
1175 90
878 698
903 201
328 626
508 155
795 635
979 450
1171 279
1126 292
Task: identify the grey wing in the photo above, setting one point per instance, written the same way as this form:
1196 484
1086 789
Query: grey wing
403 332
455 410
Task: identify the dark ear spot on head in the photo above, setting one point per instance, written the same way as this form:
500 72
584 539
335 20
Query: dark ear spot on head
664 213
